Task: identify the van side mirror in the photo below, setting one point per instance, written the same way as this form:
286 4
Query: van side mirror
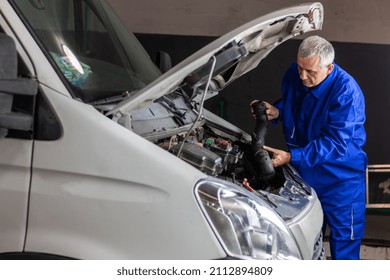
163 61
10 119
12 88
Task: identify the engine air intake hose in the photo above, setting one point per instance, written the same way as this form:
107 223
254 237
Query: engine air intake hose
262 158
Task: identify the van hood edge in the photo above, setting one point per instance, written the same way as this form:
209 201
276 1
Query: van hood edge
236 53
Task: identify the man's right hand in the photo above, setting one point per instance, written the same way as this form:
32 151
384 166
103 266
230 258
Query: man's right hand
279 157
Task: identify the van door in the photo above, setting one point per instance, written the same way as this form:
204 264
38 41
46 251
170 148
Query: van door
15 174
17 101
25 118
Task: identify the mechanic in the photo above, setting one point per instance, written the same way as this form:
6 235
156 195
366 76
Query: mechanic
323 113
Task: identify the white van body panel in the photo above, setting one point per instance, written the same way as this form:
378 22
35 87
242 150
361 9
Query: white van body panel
15 164
140 178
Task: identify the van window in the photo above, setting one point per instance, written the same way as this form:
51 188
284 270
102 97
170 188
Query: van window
91 49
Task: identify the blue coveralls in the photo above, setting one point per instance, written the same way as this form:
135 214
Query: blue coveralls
324 131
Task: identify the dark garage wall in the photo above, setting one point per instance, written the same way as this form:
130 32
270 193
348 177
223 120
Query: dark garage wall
368 63
344 20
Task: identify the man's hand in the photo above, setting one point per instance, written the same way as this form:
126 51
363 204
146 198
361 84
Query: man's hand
279 157
271 111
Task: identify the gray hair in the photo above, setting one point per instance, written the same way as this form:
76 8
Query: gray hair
316 45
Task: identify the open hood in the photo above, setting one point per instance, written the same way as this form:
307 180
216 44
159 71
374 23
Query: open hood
230 56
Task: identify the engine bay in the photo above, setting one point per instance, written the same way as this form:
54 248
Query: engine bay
214 149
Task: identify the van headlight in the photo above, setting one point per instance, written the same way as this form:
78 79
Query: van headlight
244 224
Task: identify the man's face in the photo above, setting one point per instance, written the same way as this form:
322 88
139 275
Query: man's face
310 72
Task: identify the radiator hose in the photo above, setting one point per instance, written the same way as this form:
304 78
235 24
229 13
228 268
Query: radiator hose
262 158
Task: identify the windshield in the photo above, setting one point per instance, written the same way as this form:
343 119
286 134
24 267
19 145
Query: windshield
97 57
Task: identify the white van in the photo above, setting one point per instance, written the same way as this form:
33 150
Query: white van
105 157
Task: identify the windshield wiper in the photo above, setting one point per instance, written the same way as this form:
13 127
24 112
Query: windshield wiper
171 106
112 99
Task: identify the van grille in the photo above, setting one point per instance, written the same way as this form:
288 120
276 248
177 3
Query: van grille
319 250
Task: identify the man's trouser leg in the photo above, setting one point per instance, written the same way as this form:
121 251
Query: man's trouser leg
345 249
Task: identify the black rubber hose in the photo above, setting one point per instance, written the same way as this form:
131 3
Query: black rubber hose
266 170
